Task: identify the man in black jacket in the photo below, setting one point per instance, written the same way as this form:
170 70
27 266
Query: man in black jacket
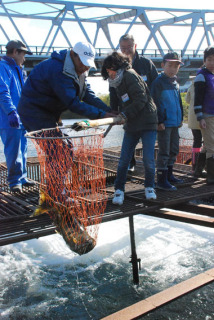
143 66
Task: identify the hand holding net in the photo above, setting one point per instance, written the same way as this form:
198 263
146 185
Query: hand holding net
86 124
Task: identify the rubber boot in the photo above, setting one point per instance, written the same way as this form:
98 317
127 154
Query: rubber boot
162 181
210 170
171 177
200 164
195 155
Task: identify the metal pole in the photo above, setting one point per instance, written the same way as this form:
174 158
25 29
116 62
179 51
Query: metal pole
134 260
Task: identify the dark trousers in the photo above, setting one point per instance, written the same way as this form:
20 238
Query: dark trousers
168 147
197 138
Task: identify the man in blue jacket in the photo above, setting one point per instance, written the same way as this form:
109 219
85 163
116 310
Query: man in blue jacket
11 129
58 84
54 85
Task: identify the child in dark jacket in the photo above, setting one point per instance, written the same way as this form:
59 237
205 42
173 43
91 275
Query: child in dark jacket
204 108
166 95
139 117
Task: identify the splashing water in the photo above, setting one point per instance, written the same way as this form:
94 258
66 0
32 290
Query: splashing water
43 279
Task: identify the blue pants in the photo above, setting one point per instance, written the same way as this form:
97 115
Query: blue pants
15 150
130 141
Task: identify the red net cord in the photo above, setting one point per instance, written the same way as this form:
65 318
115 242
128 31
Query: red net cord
72 187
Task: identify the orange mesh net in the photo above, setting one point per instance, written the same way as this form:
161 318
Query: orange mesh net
72 187
185 151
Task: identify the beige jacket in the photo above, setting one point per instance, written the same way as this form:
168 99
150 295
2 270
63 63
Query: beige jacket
192 121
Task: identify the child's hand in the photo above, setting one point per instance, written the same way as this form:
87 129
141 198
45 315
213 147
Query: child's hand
161 127
202 124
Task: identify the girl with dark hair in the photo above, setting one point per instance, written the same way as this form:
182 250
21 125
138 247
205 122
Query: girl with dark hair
139 117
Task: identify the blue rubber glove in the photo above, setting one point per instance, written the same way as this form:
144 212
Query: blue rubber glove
14 119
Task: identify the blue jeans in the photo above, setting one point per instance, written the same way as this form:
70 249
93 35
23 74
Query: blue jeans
130 140
15 150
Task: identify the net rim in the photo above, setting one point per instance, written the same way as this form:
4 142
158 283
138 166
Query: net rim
30 134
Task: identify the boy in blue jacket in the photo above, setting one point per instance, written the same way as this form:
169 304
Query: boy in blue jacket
166 95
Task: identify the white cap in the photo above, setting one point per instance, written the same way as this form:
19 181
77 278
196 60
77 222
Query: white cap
86 53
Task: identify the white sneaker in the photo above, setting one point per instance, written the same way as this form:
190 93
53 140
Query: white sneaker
150 193
118 197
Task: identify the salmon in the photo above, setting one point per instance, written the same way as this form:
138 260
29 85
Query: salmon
73 232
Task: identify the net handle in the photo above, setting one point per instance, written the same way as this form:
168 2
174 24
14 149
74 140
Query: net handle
86 124
30 135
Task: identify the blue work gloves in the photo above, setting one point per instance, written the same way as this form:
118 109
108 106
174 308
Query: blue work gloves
14 119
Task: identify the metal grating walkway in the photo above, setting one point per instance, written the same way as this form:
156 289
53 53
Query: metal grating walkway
15 210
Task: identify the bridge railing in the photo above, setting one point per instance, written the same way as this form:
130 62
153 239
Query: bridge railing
36 50
102 52
155 53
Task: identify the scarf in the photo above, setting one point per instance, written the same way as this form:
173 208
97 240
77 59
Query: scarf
117 80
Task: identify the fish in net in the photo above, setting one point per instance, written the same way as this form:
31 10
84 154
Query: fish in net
72 188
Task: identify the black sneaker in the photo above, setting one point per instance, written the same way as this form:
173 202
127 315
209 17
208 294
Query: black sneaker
175 180
29 184
16 189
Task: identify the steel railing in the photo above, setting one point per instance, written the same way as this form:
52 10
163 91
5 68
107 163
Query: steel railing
101 52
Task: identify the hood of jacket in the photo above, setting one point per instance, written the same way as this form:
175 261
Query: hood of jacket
68 66
69 70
